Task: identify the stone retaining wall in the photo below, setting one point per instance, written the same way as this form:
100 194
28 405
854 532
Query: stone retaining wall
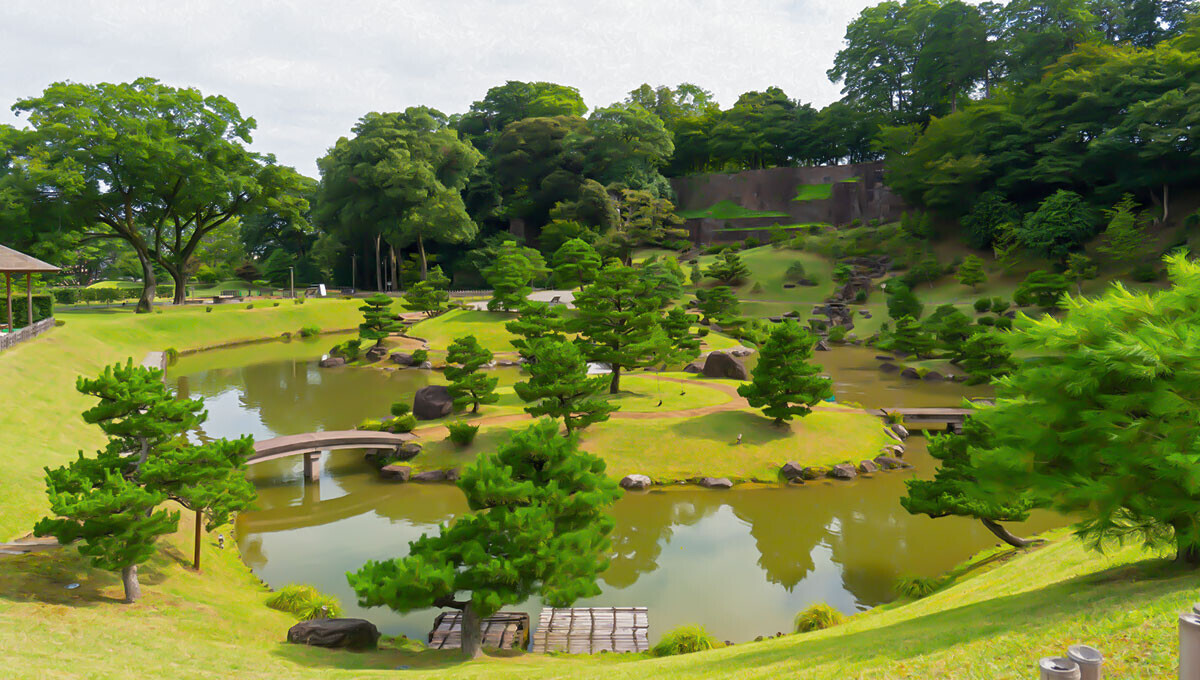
27 333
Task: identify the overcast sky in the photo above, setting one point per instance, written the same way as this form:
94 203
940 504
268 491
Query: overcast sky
307 70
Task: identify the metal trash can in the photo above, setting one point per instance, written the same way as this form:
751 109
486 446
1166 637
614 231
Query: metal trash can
1090 661
1189 646
1058 668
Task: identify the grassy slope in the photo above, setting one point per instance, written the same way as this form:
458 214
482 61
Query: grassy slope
728 210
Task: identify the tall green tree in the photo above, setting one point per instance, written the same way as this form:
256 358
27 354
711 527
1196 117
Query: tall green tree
539 526
729 268
784 384
627 145
1080 268
468 385
1062 223
617 318
515 101
536 321
157 167
902 302
683 345
378 319
575 264
1041 288
509 275
398 180
970 272
1123 239
911 337
559 386
430 295
1112 386
954 490
718 304
985 356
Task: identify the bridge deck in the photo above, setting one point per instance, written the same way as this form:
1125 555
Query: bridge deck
312 442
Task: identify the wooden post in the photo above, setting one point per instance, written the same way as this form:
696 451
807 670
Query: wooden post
8 286
312 466
29 297
196 559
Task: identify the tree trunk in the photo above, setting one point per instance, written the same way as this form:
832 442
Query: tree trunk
424 264
615 386
1007 536
472 633
196 557
133 590
1166 202
1187 552
395 268
378 266
146 303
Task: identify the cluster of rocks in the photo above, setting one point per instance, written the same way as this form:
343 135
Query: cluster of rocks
404 359
863 271
834 313
403 473
795 473
913 374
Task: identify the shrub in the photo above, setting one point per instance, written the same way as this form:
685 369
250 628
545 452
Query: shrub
983 305
274 304
795 271
988 321
818 617
420 356
702 332
917 587
208 310
842 272
751 243
43 308
172 355
1000 305
309 332
1003 323
348 350
400 408
462 433
758 288
837 334
250 306
1145 273
860 296
404 423
66 296
685 640
298 301
305 602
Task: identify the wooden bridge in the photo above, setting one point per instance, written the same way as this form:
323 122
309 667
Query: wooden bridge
311 445
951 419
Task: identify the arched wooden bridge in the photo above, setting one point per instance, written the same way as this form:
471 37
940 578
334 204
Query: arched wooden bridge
310 445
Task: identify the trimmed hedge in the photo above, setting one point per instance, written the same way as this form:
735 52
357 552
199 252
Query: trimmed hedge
76 296
43 308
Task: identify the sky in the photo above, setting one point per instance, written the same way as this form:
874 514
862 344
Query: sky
306 70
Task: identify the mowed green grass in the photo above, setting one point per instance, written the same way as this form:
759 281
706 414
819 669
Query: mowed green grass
768 265
728 210
487 327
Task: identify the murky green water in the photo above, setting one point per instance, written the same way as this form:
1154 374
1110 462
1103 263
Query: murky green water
741 562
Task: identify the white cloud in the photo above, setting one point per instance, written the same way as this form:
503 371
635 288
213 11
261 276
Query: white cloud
306 69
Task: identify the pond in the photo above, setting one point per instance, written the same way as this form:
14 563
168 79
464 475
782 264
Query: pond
740 562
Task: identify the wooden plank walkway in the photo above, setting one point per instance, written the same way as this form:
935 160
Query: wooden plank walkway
591 630
502 630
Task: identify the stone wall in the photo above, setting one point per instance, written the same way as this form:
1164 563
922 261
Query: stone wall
773 190
27 333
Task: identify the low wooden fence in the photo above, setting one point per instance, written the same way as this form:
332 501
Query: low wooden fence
27 333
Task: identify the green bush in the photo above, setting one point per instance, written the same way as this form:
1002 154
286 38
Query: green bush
66 296
758 288
1142 273
348 350
861 296
702 332
1000 305
917 587
420 356
685 640
983 305
400 408
250 306
1003 323
208 310
305 602
43 308
462 433
818 617
795 272
987 321
274 304
172 355
310 332
837 334
751 242
404 423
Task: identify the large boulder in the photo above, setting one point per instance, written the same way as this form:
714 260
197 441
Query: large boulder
694 367
716 483
910 373
450 475
635 482
792 471
899 430
722 365
396 473
888 367
934 376
843 471
402 359
432 402
332 362
406 451
867 467
741 352
890 463
376 353
341 633
821 346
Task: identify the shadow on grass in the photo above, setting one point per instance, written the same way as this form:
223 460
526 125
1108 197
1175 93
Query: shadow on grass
44 577
386 657
725 426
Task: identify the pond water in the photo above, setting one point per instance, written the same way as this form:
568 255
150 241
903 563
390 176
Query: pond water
740 562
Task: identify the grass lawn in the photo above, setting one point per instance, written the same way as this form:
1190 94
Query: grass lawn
487 327
728 210
813 192
768 265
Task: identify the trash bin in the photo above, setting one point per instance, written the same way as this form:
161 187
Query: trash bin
1058 668
1189 646
1089 659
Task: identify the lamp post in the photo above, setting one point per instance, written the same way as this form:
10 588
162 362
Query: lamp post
292 282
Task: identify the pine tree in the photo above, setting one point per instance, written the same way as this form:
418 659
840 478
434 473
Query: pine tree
696 275
108 501
683 345
718 304
665 279
510 276
784 383
575 264
949 326
536 320
911 337
901 301
430 295
559 383
617 317
378 322
729 268
970 272
1041 288
1080 268
954 491
468 385
539 527
1123 239
985 356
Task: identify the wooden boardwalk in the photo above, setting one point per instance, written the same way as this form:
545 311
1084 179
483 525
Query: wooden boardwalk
927 418
502 630
592 630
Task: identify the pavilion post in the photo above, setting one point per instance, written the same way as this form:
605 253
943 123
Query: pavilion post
8 287
29 298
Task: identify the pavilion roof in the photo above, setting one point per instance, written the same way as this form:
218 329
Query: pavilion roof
15 262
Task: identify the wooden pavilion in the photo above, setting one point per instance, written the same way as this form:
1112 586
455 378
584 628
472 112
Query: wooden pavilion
13 262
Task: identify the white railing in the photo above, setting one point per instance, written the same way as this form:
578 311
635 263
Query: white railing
22 334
